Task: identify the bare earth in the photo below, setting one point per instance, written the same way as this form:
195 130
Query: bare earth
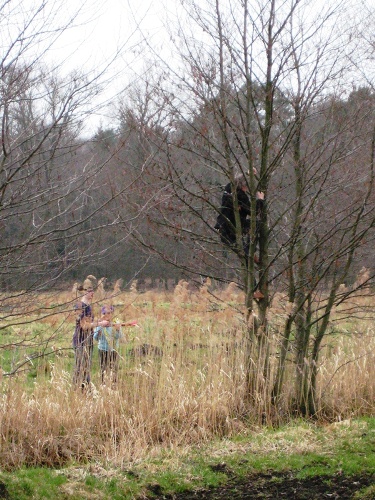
278 486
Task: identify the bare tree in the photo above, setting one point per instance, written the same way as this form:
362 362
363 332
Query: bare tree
258 86
55 192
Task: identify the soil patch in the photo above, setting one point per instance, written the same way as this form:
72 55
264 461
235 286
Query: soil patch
280 486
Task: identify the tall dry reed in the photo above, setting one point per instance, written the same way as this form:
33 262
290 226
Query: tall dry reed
181 380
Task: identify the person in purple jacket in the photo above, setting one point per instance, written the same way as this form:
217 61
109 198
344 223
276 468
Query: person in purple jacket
83 340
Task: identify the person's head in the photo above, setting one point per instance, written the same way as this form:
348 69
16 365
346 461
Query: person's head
88 290
240 182
107 311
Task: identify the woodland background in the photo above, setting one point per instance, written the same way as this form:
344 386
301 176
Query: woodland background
286 88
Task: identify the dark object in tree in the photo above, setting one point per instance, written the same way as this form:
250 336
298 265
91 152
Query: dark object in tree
226 220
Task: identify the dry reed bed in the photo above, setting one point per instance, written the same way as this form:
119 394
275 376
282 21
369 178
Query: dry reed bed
193 391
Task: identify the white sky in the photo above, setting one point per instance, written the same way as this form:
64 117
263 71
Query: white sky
104 28
105 25
107 29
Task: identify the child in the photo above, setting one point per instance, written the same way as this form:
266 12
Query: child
108 338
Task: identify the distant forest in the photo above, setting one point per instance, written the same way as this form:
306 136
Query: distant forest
291 108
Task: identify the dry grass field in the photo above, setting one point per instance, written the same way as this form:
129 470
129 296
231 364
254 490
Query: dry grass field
181 379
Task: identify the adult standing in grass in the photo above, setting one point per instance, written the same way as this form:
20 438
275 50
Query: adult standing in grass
83 338
108 338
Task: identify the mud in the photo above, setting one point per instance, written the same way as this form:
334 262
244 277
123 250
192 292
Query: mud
278 486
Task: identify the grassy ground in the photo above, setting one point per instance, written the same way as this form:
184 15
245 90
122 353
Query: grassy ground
303 450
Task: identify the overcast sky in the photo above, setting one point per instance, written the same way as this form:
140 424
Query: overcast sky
106 25
108 29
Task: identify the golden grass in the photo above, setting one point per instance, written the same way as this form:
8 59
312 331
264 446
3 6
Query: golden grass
193 391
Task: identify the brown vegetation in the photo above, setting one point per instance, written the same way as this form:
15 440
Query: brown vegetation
187 386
